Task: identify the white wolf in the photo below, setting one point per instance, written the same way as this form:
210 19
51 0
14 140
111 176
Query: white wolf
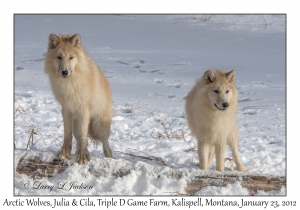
211 109
83 93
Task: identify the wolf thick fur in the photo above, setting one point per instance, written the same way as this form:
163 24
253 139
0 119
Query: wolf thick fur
83 93
211 109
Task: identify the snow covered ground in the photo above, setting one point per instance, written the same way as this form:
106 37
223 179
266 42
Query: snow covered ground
152 62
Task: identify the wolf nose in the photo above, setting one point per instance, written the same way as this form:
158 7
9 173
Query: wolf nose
64 73
225 105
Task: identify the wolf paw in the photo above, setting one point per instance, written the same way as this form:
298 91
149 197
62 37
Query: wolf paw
220 169
83 156
242 169
64 152
108 153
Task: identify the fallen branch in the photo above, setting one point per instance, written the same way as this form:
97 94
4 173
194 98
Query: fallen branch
251 182
132 155
148 157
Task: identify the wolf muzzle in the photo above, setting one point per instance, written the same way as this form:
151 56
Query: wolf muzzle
225 105
65 73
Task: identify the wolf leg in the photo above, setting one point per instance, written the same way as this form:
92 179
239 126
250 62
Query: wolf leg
233 143
100 130
106 149
220 155
104 138
211 155
80 127
65 150
237 159
203 153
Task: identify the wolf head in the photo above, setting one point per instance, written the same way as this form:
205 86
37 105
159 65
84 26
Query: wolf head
221 90
63 50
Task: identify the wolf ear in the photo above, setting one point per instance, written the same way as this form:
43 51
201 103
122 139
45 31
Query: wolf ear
231 76
75 40
53 41
209 76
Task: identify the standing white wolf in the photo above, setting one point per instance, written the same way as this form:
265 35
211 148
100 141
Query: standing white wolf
83 93
211 109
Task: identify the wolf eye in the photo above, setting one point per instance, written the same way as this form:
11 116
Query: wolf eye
227 91
216 91
59 57
71 57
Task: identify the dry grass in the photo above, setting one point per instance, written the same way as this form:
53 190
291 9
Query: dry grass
206 17
166 134
33 129
154 134
265 22
121 173
31 133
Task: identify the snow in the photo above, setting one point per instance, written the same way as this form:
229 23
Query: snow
152 62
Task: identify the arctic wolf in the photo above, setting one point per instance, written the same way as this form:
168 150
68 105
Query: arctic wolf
83 93
211 109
